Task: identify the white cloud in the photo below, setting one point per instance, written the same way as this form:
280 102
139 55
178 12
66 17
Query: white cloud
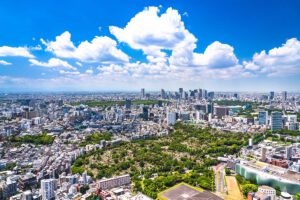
171 57
79 64
69 72
89 71
36 48
53 62
185 14
3 62
15 51
251 66
280 61
153 33
99 50
217 55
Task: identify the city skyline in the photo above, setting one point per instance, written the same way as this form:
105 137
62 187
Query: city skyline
250 46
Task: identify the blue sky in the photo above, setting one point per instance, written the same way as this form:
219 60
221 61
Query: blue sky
90 45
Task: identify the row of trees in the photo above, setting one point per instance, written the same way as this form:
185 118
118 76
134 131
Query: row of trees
246 186
41 139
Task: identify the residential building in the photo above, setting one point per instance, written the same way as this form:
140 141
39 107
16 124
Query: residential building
48 187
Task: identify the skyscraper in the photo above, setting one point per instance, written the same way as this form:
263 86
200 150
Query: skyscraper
205 94
276 121
142 92
284 95
163 94
180 92
211 95
272 94
210 107
200 94
145 113
263 117
127 103
48 187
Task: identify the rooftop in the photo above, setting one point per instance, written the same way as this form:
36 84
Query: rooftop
184 191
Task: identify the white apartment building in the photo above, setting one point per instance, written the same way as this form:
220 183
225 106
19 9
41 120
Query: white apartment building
114 182
48 187
171 118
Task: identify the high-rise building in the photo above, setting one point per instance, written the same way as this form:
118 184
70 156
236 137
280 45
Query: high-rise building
180 92
205 94
284 95
142 92
276 121
263 117
235 95
211 95
272 94
163 94
48 187
145 113
200 95
171 118
127 103
7 188
221 111
185 95
288 152
84 177
210 107
263 154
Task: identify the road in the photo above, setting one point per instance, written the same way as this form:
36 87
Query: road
219 179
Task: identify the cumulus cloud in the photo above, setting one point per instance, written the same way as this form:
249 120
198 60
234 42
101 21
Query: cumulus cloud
279 61
52 63
217 55
171 54
15 51
3 62
153 33
99 50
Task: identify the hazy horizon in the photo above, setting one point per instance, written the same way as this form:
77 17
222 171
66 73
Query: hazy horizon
216 45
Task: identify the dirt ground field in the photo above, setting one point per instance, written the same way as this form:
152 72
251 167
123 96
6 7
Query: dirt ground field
233 189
